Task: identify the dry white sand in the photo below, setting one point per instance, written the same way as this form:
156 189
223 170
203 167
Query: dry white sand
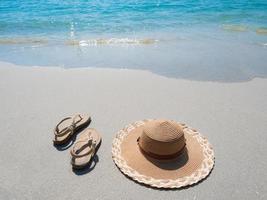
232 115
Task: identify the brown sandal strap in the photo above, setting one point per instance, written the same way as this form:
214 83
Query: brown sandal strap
69 128
88 143
80 118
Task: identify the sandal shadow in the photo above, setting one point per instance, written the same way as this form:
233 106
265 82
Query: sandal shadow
91 165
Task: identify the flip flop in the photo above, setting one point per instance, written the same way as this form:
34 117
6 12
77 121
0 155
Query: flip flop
68 126
85 148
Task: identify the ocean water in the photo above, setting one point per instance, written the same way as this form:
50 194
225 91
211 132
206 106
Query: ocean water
217 40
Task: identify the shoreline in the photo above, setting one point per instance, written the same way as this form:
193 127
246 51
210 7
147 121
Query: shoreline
188 76
197 54
110 69
231 115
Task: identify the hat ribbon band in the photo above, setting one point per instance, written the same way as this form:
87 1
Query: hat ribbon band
161 157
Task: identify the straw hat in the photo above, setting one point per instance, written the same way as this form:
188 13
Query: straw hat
162 153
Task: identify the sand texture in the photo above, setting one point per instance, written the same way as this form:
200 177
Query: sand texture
233 116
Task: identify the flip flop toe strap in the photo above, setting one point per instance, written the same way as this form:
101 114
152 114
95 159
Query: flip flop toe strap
89 144
69 128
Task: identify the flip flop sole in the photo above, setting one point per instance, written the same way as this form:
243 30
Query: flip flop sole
82 162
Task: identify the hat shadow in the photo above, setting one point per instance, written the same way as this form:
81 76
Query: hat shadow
165 189
168 166
172 164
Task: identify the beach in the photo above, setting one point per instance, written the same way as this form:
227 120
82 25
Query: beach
232 115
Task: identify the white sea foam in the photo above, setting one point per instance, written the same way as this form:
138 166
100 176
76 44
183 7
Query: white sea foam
113 41
82 43
261 31
9 41
72 30
234 28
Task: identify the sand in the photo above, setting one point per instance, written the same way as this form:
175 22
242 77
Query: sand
232 115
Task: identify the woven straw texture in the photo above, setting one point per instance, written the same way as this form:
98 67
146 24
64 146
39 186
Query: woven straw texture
202 172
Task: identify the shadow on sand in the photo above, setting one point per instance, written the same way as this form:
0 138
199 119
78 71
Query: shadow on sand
88 168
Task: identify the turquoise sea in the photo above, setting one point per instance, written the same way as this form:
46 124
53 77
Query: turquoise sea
213 40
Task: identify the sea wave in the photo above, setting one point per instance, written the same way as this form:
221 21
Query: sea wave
261 31
112 41
11 41
244 28
235 28
82 42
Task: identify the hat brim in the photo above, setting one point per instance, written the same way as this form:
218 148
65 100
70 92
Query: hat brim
193 165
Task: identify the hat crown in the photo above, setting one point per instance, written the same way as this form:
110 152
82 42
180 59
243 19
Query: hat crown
163 131
162 138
